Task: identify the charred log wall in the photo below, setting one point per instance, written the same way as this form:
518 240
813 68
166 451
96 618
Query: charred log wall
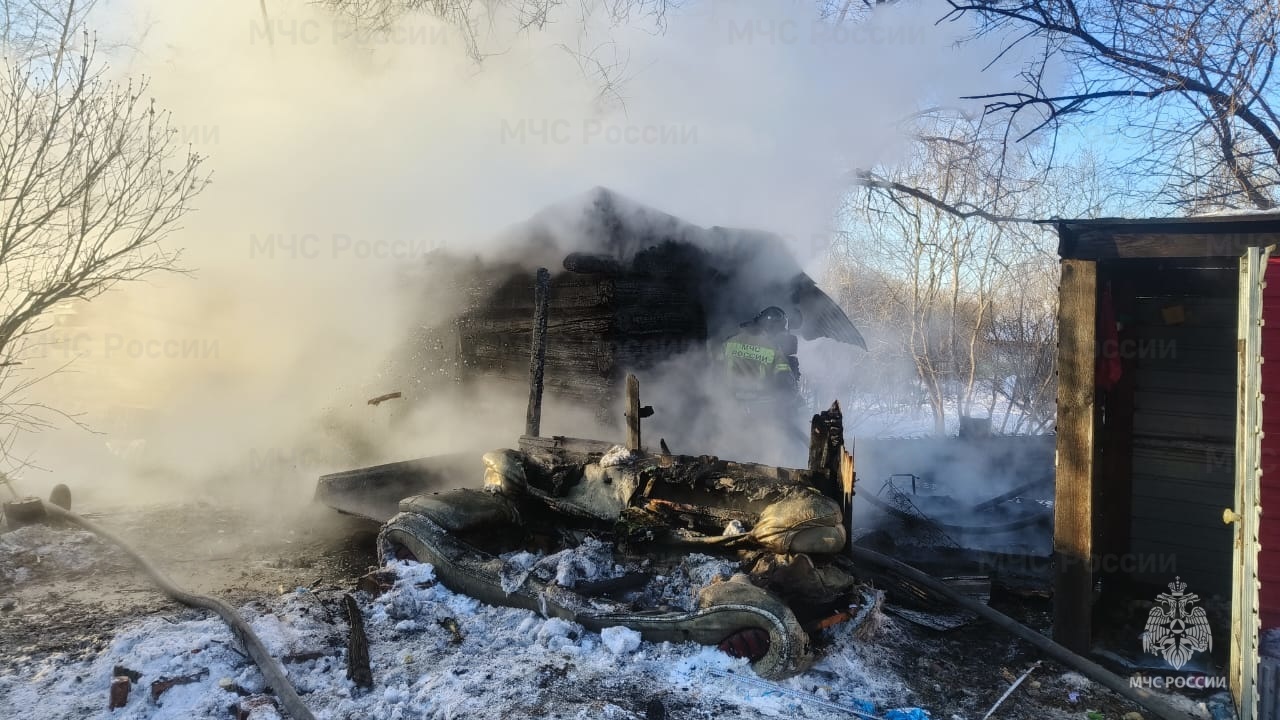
600 326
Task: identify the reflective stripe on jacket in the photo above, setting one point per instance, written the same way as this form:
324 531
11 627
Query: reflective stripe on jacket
746 355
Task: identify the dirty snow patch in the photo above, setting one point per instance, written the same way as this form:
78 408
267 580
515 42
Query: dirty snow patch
590 560
436 654
41 550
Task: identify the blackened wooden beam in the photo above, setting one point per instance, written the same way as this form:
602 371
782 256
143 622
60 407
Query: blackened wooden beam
826 442
633 413
538 353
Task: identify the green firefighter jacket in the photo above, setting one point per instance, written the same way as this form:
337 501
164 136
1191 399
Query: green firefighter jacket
756 365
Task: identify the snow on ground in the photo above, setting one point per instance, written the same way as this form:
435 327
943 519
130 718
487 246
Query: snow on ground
501 662
873 418
439 654
37 551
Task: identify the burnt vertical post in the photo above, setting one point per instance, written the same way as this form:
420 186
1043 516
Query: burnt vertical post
633 413
538 352
826 441
817 444
1073 486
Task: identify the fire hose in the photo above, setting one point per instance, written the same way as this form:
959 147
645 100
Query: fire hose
271 669
1147 699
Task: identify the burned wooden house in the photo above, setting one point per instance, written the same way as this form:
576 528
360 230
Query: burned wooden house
630 288
1167 500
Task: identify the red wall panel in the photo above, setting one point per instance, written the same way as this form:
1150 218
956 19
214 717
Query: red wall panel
1269 528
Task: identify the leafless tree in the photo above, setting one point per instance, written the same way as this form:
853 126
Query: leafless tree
1022 344
469 17
968 303
92 181
1190 82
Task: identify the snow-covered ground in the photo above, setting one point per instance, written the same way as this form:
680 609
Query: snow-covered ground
501 663
38 551
439 654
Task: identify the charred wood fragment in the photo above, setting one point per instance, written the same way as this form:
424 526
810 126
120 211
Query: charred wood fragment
376 582
243 710
358 670
716 517
161 686
826 443
119 696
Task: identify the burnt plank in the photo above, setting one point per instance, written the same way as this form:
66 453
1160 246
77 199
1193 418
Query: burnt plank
633 413
537 354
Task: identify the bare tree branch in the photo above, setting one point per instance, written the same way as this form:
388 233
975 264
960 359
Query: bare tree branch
965 211
1188 71
92 181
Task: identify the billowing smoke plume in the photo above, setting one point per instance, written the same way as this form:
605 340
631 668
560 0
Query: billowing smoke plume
340 160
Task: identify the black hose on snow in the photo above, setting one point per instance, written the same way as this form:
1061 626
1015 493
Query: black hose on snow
271 670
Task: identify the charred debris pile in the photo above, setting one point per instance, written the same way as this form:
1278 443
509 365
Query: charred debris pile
976 505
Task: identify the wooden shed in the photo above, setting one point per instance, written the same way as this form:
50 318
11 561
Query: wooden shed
1162 463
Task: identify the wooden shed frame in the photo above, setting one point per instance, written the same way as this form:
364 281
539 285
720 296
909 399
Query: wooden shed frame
1083 246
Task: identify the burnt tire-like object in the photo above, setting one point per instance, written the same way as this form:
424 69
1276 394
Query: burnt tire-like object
61 496
398 541
748 619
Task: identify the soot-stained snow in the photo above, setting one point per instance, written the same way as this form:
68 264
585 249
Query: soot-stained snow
501 662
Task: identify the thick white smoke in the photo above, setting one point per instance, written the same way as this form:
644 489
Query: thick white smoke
339 160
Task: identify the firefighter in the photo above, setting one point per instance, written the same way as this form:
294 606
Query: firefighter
760 360
762 376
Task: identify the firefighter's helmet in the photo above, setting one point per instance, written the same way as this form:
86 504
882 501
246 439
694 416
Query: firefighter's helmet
772 320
